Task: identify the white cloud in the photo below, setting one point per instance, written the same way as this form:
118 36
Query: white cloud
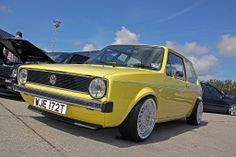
205 66
204 63
77 43
124 36
227 46
5 9
89 47
189 48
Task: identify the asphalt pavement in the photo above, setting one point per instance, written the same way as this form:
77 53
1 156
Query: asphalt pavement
25 133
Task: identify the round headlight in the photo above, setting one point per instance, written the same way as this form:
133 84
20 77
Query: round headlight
97 88
14 73
22 77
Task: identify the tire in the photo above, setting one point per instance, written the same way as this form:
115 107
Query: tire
139 124
196 116
232 110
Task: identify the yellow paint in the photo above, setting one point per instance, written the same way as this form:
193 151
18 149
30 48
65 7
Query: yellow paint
126 87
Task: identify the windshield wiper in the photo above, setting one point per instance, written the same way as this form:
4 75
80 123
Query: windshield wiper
109 63
139 65
112 63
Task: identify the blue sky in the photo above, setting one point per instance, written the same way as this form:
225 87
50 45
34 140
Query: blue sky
204 30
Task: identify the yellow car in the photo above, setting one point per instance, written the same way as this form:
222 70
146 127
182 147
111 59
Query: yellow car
130 86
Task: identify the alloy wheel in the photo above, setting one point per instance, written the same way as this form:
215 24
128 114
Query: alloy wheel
146 118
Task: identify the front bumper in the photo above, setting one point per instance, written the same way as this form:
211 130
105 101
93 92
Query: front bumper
65 119
6 84
106 107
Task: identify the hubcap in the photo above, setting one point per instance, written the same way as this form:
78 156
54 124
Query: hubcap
199 112
232 110
146 118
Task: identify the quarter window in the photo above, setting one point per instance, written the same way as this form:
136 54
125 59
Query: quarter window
191 77
175 64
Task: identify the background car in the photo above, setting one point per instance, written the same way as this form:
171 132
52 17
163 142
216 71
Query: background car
26 52
80 57
72 57
59 57
217 102
4 34
232 96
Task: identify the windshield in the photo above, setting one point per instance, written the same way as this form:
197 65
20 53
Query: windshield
130 56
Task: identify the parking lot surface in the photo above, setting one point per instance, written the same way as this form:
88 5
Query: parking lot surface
25 133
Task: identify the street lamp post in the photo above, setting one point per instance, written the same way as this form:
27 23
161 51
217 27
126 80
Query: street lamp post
56 25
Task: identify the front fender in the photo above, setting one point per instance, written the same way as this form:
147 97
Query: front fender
147 91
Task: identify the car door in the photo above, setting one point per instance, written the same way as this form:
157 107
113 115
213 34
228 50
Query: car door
175 86
207 100
215 102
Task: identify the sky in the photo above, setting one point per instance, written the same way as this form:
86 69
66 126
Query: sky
202 30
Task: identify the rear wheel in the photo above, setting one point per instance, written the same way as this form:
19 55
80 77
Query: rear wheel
196 117
232 110
140 122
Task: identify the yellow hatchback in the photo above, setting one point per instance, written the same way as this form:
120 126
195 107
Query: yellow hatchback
130 86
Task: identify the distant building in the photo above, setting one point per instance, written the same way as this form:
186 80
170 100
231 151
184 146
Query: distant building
4 34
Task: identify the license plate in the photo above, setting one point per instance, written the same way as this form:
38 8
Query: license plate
50 105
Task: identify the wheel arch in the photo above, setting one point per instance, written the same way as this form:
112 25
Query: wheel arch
195 105
142 95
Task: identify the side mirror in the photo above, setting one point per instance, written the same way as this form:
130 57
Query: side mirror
179 74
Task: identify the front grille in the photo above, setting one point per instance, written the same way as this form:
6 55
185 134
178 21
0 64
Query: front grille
65 81
5 71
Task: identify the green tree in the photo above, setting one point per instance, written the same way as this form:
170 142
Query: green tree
228 86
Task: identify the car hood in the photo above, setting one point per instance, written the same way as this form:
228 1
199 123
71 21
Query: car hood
88 69
25 50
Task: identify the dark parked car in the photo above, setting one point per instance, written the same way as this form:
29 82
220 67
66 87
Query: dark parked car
232 96
59 57
217 102
71 57
27 54
80 57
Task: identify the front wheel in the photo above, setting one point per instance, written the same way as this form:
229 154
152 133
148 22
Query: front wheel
232 110
140 122
196 116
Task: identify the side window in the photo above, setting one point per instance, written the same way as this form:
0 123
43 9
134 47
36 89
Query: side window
206 92
191 77
213 91
175 65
